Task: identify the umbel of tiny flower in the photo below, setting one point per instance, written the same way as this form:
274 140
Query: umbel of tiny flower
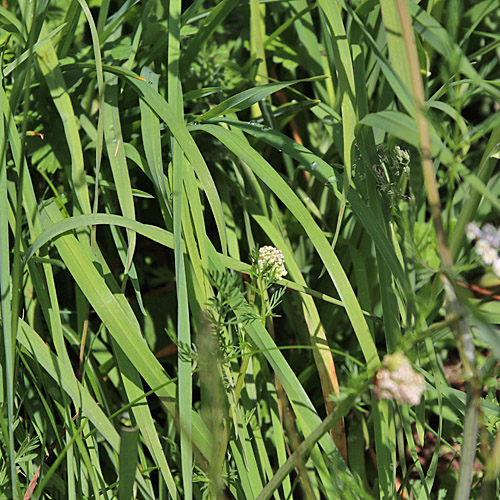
270 263
398 380
487 244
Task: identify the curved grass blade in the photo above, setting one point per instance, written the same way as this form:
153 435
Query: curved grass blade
405 127
160 236
247 98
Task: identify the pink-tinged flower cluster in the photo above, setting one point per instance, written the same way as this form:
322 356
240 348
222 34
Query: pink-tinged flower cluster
487 244
398 380
271 262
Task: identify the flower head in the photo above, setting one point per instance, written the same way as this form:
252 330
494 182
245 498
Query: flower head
398 380
489 255
472 231
487 243
271 263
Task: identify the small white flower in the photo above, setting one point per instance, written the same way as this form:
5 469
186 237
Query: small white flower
271 261
402 155
398 380
487 244
489 255
482 245
472 231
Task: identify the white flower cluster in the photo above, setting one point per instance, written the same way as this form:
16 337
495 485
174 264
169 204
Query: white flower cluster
271 261
487 244
398 380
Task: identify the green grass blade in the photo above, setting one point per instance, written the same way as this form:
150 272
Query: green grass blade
128 462
346 94
7 354
184 362
133 386
50 67
245 99
117 159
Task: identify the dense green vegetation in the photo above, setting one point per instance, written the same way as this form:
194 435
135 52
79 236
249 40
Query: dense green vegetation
149 149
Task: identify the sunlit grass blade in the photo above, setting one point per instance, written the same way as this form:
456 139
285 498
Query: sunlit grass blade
7 354
245 99
117 159
346 93
49 65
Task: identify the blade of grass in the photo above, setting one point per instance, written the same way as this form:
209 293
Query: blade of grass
346 94
7 354
151 136
257 50
117 160
184 362
51 70
309 50
247 98
127 462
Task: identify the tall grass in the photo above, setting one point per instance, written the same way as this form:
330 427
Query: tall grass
148 150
